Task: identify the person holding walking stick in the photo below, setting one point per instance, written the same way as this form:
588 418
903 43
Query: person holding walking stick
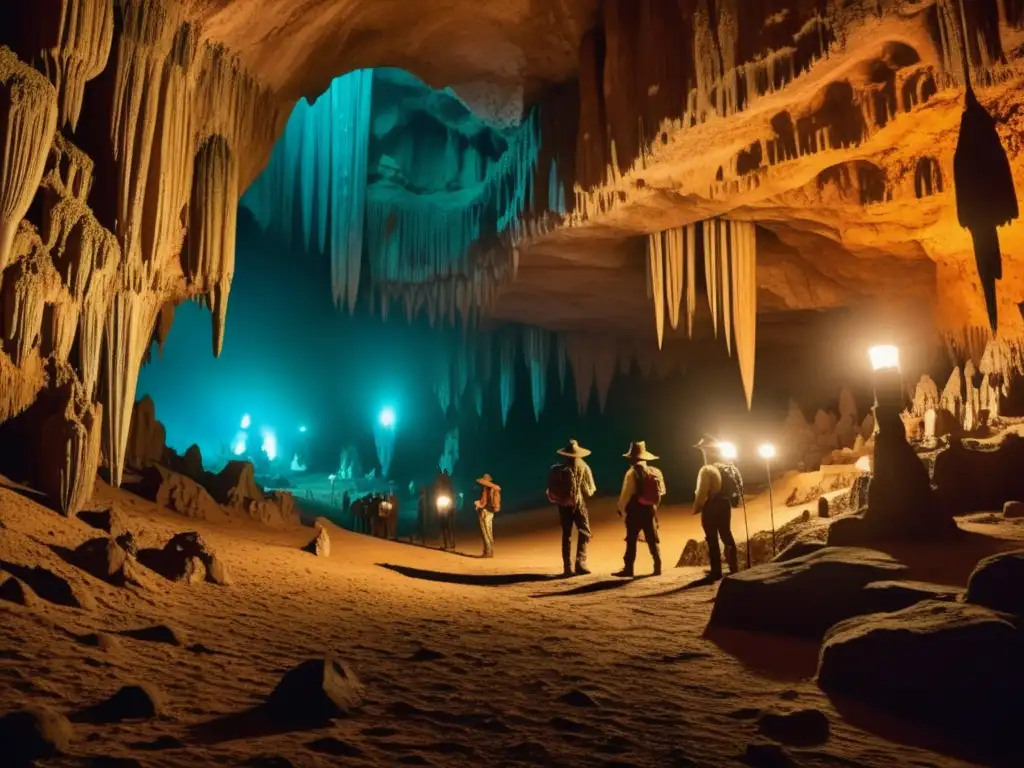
719 490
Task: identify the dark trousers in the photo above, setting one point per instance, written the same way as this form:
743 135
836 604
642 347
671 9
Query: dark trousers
579 517
447 523
641 519
716 519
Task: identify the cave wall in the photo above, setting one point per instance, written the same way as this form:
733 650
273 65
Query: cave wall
126 139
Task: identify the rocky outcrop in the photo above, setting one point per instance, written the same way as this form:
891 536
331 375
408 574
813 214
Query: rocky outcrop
998 583
803 596
70 452
35 733
320 545
146 436
178 493
187 558
953 666
974 477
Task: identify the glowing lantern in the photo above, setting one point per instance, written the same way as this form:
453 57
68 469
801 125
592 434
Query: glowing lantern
884 357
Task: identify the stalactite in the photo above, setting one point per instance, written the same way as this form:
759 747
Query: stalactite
712 269
443 379
147 36
508 374
28 120
691 278
82 35
129 329
330 177
29 284
645 356
674 255
20 384
537 350
744 300
478 399
210 264
726 252
656 282
581 356
562 359
604 369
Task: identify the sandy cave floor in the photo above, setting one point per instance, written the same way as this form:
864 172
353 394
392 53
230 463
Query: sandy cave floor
465 661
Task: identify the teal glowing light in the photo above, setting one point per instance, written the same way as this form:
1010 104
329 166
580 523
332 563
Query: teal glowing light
269 446
387 418
238 446
246 421
302 428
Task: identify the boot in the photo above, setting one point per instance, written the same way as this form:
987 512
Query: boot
566 568
625 573
581 569
732 559
657 568
715 559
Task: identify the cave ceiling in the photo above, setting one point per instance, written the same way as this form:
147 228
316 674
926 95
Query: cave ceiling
629 173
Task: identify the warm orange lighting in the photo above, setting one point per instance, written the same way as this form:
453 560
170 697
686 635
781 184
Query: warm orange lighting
766 451
728 451
884 357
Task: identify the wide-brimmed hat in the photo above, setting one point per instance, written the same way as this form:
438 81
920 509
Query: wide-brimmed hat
488 481
638 452
706 442
573 450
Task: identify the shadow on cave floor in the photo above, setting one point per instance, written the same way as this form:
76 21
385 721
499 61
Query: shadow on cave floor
23 490
595 586
703 581
946 562
782 659
470 579
898 730
249 724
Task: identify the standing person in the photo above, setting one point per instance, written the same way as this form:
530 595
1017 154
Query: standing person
719 489
487 505
422 512
570 482
643 488
391 520
445 505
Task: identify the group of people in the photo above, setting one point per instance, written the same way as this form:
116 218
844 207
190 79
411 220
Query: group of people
376 514
719 490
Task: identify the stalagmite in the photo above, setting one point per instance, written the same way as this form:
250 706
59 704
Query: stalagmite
70 452
214 214
508 375
744 300
28 120
537 351
82 35
656 282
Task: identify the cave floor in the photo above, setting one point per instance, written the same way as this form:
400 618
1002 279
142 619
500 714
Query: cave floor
465 662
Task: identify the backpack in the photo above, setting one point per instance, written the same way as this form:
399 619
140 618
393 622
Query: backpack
732 484
496 499
560 486
647 493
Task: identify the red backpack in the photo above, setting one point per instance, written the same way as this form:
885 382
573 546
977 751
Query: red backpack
560 486
647 491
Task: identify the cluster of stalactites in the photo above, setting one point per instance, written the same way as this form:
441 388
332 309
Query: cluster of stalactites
464 366
210 262
317 176
28 120
730 269
639 91
82 32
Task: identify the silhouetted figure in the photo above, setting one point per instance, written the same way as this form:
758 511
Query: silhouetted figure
643 488
985 196
346 505
422 513
390 505
445 506
569 483
719 490
487 506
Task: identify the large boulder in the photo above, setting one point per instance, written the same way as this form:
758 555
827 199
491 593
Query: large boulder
146 436
320 545
35 733
951 665
316 691
979 477
178 493
234 485
803 596
105 559
998 583
110 521
191 545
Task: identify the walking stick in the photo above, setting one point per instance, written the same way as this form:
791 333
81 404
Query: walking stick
746 525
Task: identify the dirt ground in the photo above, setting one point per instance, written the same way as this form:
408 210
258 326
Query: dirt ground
464 661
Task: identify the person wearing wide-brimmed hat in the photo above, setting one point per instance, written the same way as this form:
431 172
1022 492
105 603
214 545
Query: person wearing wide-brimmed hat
719 485
643 488
570 482
488 503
